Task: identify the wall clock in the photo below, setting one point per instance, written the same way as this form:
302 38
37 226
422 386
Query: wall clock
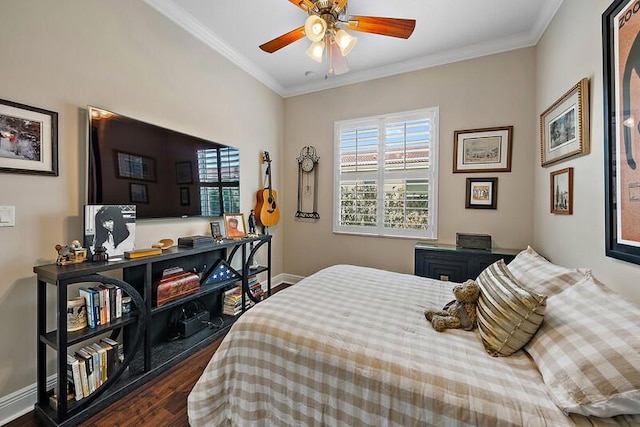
308 183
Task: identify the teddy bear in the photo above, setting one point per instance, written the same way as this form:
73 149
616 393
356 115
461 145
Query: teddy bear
459 313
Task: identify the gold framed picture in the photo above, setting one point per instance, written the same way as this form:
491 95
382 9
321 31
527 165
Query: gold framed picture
562 191
234 225
564 126
482 150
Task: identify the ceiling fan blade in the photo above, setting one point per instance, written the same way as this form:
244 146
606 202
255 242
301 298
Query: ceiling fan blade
303 4
394 27
339 5
283 40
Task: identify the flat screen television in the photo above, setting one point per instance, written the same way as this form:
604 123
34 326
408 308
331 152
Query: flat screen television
166 174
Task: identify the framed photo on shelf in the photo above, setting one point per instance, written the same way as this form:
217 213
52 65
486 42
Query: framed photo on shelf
482 193
216 233
28 139
561 191
135 166
564 126
110 226
621 44
183 173
234 225
482 150
138 193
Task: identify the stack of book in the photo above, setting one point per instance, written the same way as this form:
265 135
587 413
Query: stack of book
90 367
255 288
104 303
232 301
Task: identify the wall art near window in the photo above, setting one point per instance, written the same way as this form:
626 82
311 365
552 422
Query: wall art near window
135 166
28 139
110 226
482 193
183 173
482 150
621 61
564 126
561 191
138 193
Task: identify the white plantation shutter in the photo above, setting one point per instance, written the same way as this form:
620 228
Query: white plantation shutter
386 175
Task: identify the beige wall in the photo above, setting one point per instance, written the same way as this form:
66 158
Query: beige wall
126 57
570 50
492 91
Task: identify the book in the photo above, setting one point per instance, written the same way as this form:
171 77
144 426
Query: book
88 299
103 361
111 357
119 349
83 376
81 353
118 302
73 366
139 253
95 356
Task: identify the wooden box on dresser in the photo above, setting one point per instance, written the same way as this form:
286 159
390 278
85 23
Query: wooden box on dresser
149 350
452 263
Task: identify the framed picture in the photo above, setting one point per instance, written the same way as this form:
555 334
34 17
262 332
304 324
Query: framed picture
234 225
138 193
482 150
621 61
110 226
185 200
561 191
183 173
564 127
216 233
28 139
135 166
482 193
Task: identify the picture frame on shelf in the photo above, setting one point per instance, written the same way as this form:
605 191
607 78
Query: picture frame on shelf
482 193
482 150
561 191
183 173
111 227
216 232
138 193
28 139
135 166
235 226
564 126
620 41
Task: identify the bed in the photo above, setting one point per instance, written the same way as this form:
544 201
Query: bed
350 346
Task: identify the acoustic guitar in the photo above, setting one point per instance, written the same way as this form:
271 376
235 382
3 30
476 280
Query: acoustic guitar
267 210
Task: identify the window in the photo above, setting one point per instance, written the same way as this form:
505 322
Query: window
386 175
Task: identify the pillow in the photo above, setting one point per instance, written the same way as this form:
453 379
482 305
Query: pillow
508 313
541 276
588 351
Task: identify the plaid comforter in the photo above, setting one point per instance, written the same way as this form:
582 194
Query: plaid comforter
349 346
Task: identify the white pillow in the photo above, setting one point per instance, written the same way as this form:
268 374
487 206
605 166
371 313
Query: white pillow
588 351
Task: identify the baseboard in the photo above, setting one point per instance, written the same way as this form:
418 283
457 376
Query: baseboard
21 402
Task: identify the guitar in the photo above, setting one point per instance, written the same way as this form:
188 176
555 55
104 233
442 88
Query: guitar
267 210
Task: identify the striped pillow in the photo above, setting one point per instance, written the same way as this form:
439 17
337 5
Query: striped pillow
508 313
541 276
588 351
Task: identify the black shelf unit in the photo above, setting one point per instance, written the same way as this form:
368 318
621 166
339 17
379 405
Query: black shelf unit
148 351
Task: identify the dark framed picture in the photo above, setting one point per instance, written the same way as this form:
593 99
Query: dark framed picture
564 126
138 193
28 139
482 193
482 150
135 166
561 191
216 233
183 173
110 226
234 225
621 62
185 199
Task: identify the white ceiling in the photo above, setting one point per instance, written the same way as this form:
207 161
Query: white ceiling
446 31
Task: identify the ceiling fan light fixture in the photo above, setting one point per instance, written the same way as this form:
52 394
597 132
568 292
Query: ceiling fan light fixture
316 50
345 41
315 28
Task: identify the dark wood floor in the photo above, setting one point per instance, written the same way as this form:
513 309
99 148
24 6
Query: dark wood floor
161 402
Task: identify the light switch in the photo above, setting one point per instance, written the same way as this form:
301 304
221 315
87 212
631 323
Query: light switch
7 216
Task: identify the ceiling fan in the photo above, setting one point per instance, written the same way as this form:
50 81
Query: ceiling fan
326 25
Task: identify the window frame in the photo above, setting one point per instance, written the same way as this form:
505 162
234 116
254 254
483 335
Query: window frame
430 175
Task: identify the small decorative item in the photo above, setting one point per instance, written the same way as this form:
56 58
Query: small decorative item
163 244
234 225
100 254
564 127
28 139
562 191
308 183
76 314
71 254
621 45
252 223
126 305
482 150
215 231
482 193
